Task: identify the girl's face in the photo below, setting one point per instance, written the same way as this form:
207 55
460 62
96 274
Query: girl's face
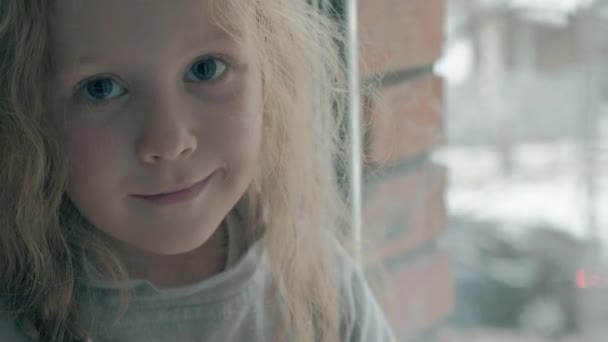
155 98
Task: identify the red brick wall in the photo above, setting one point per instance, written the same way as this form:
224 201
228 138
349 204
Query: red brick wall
404 211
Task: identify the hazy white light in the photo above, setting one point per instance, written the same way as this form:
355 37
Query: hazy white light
551 5
456 64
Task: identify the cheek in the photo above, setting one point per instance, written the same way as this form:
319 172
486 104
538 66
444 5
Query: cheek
91 159
238 131
244 136
239 148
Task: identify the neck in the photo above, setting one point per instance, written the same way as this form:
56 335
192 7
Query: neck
166 271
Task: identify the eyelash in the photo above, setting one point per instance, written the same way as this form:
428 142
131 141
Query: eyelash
80 88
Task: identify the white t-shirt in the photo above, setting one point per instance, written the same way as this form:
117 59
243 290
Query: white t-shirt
229 306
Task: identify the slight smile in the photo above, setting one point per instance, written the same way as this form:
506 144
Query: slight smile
177 196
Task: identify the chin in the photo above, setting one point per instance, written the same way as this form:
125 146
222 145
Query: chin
179 244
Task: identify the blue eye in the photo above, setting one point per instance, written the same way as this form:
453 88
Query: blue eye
101 89
208 69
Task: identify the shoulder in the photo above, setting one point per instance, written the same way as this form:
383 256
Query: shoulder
361 316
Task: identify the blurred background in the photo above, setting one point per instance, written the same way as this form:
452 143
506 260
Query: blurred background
486 186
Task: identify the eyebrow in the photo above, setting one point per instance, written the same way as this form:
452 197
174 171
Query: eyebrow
216 37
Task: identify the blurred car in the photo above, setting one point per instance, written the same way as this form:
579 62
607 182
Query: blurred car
524 281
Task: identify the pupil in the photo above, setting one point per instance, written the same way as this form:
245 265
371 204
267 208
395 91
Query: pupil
100 88
206 69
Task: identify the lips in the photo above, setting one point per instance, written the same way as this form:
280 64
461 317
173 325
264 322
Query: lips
171 192
181 195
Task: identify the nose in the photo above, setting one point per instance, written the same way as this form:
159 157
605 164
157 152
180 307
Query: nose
166 135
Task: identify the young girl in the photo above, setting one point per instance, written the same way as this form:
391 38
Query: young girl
167 174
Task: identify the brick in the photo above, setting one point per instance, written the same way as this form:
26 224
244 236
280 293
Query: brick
398 34
405 120
417 296
404 212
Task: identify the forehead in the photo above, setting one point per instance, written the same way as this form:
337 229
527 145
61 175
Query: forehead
120 27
